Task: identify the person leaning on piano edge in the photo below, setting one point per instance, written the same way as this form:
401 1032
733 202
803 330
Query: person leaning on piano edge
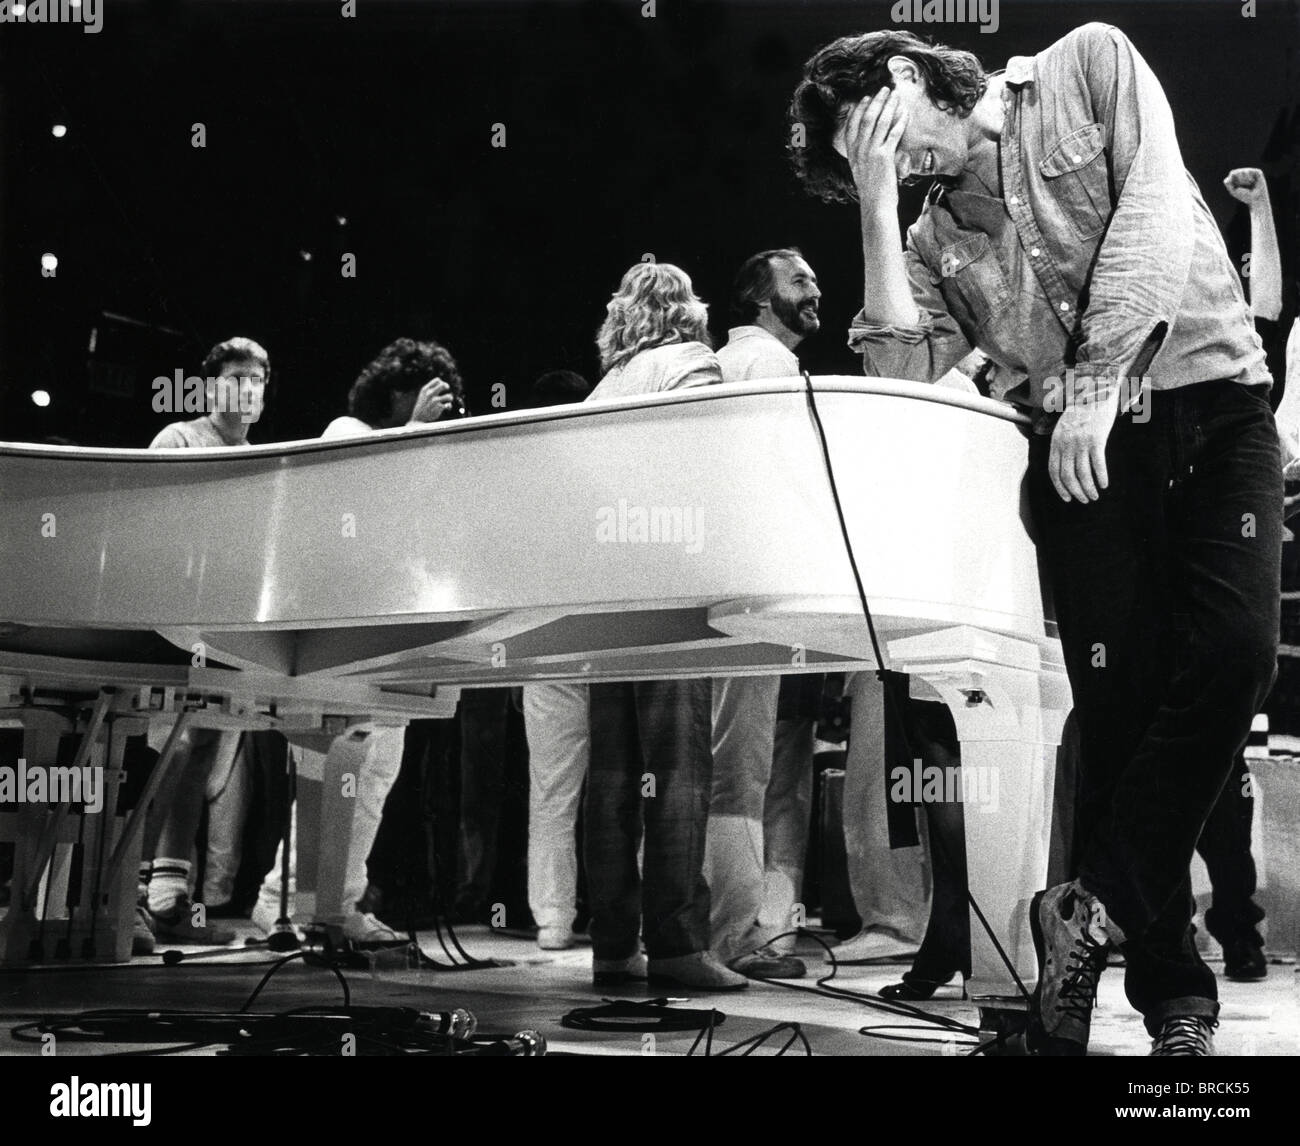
1064 238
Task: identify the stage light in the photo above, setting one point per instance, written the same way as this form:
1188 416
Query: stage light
41 397
59 130
341 220
305 256
49 263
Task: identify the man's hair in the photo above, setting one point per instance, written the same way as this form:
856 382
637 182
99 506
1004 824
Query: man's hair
401 367
235 350
851 68
557 387
655 304
756 282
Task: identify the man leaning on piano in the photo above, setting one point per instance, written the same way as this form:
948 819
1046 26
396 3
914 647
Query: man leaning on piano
1064 239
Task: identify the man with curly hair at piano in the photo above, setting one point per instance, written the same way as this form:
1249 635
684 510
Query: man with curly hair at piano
409 384
1065 239
655 338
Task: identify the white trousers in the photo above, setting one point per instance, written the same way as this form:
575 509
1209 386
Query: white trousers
356 776
559 749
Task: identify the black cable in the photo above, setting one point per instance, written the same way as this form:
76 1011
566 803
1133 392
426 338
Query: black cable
894 1007
311 960
844 529
875 644
632 1016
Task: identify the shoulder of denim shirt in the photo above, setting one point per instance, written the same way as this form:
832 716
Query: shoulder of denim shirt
1072 48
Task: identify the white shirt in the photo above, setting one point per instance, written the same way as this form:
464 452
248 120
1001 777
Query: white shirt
753 352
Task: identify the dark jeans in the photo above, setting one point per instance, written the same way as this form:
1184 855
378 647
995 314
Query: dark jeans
1167 596
1225 847
651 765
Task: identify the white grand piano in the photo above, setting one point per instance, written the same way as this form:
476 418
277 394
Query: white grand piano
308 585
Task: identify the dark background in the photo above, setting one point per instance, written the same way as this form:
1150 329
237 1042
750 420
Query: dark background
625 135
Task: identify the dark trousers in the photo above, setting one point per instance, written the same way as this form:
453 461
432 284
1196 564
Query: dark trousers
1225 847
1167 596
932 738
483 713
651 770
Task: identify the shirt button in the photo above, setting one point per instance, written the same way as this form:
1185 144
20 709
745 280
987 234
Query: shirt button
1013 198
1076 158
1035 252
1065 306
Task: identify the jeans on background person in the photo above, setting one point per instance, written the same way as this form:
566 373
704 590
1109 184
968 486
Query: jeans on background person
556 717
744 733
890 884
650 773
1167 598
787 812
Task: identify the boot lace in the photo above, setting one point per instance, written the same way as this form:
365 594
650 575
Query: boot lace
1078 991
1185 1035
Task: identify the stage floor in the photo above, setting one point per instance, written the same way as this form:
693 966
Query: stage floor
538 988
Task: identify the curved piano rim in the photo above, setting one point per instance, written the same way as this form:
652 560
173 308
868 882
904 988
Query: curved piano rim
827 383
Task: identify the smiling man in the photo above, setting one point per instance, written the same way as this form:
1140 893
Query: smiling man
762 768
1065 240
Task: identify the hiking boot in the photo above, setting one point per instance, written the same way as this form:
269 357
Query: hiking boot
1071 943
1185 1036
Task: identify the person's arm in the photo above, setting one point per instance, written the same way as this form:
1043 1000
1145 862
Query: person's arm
1247 185
922 351
1144 261
1287 415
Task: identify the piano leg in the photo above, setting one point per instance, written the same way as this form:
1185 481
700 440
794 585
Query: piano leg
41 924
42 729
1009 708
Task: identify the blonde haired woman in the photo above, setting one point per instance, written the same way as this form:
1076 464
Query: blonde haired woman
655 337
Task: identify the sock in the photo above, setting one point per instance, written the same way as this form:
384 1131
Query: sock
168 883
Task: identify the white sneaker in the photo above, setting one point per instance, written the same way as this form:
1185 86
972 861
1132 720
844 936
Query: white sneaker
363 927
266 912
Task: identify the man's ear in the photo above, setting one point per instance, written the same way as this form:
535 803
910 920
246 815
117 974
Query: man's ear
903 70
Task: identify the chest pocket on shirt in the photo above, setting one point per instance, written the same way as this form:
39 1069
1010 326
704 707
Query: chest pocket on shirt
1075 174
972 281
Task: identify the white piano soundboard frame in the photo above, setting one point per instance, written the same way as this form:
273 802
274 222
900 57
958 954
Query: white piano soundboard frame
311 585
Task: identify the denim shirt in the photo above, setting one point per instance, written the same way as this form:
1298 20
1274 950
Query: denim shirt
1099 252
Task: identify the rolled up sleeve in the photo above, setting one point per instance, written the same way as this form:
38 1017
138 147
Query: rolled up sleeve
920 353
